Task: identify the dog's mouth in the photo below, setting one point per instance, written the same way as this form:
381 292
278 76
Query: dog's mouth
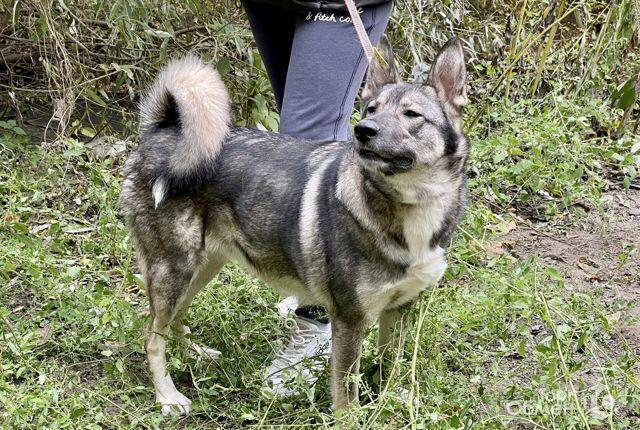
398 162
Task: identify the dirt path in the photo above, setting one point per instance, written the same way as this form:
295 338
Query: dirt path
590 247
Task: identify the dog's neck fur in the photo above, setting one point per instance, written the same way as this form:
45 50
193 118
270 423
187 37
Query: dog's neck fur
408 209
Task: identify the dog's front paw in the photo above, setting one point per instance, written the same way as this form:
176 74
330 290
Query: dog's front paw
174 402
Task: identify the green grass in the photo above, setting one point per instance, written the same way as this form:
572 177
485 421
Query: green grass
500 344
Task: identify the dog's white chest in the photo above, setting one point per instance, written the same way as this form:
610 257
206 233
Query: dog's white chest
430 268
426 264
425 272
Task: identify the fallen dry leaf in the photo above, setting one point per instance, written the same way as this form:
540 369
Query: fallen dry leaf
494 249
498 247
510 226
44 333
39 228
113 345
614 317
596 278
10 218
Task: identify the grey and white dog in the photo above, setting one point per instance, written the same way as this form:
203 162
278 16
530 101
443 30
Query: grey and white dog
359 227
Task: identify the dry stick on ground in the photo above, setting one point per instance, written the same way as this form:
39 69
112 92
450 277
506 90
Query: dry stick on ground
189 30
11 59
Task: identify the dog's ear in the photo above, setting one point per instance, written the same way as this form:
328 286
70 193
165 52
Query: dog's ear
379 75
448 76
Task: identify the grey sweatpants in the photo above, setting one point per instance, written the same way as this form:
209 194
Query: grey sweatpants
315 65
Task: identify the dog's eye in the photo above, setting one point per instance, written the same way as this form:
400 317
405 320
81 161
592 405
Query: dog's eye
411 113
371 109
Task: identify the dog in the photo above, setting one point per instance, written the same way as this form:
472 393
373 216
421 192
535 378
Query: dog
359 227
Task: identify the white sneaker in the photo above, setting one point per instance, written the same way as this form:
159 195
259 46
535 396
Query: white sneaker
301 360
287 306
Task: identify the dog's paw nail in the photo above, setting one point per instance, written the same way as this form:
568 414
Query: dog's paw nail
173 408
180 405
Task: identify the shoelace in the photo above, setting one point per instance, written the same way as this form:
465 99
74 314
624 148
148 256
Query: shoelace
290 355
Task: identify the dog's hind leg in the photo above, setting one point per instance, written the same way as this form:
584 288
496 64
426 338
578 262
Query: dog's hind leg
167 288
204 275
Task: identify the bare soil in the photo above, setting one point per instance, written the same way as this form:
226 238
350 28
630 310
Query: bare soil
591 247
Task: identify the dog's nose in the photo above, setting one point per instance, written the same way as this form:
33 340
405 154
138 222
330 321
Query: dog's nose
365 130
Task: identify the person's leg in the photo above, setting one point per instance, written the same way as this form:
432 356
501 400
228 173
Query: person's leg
273 29
325 72
326 68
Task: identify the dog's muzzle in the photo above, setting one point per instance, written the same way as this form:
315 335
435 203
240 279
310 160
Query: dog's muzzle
392 161
365 130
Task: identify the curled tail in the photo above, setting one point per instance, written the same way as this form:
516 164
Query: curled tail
189 98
